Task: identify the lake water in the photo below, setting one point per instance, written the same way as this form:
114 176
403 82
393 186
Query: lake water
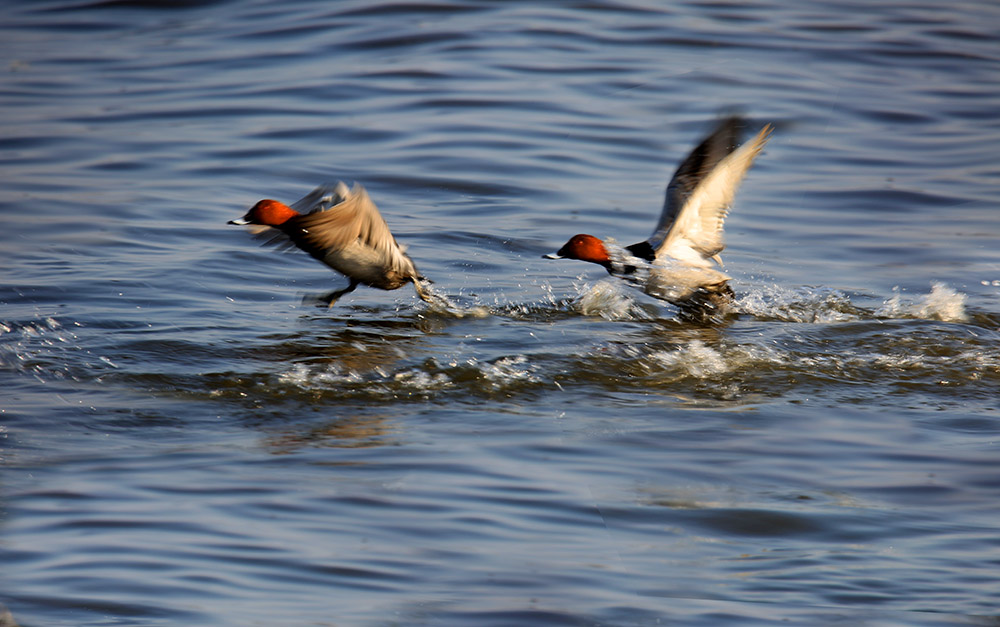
183 442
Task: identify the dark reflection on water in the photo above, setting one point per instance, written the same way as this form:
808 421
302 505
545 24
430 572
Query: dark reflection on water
183 441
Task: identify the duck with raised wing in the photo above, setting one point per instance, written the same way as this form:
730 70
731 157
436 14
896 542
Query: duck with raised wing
680 262
342 228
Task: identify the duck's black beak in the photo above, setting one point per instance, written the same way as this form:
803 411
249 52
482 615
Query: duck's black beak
553 256
238 222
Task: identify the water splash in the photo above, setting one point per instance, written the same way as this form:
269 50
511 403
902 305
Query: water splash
609 299
942 303
695 358
47 349
424 379
803 304
826 305
506 370
440 304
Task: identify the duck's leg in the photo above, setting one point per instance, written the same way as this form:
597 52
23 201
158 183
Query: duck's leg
330 299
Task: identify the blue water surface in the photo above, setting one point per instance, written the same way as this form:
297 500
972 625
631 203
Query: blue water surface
184 441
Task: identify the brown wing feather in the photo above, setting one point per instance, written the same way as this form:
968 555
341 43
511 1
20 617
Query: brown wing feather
353 219
340 218
319 199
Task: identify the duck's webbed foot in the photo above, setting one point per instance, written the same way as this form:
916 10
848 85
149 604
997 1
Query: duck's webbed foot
420 284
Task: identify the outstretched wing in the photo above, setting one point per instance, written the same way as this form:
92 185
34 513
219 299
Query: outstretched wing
697 227
321 198
702 160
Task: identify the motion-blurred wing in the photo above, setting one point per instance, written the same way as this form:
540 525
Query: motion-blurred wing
321 198
697 227
355 219
698 164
